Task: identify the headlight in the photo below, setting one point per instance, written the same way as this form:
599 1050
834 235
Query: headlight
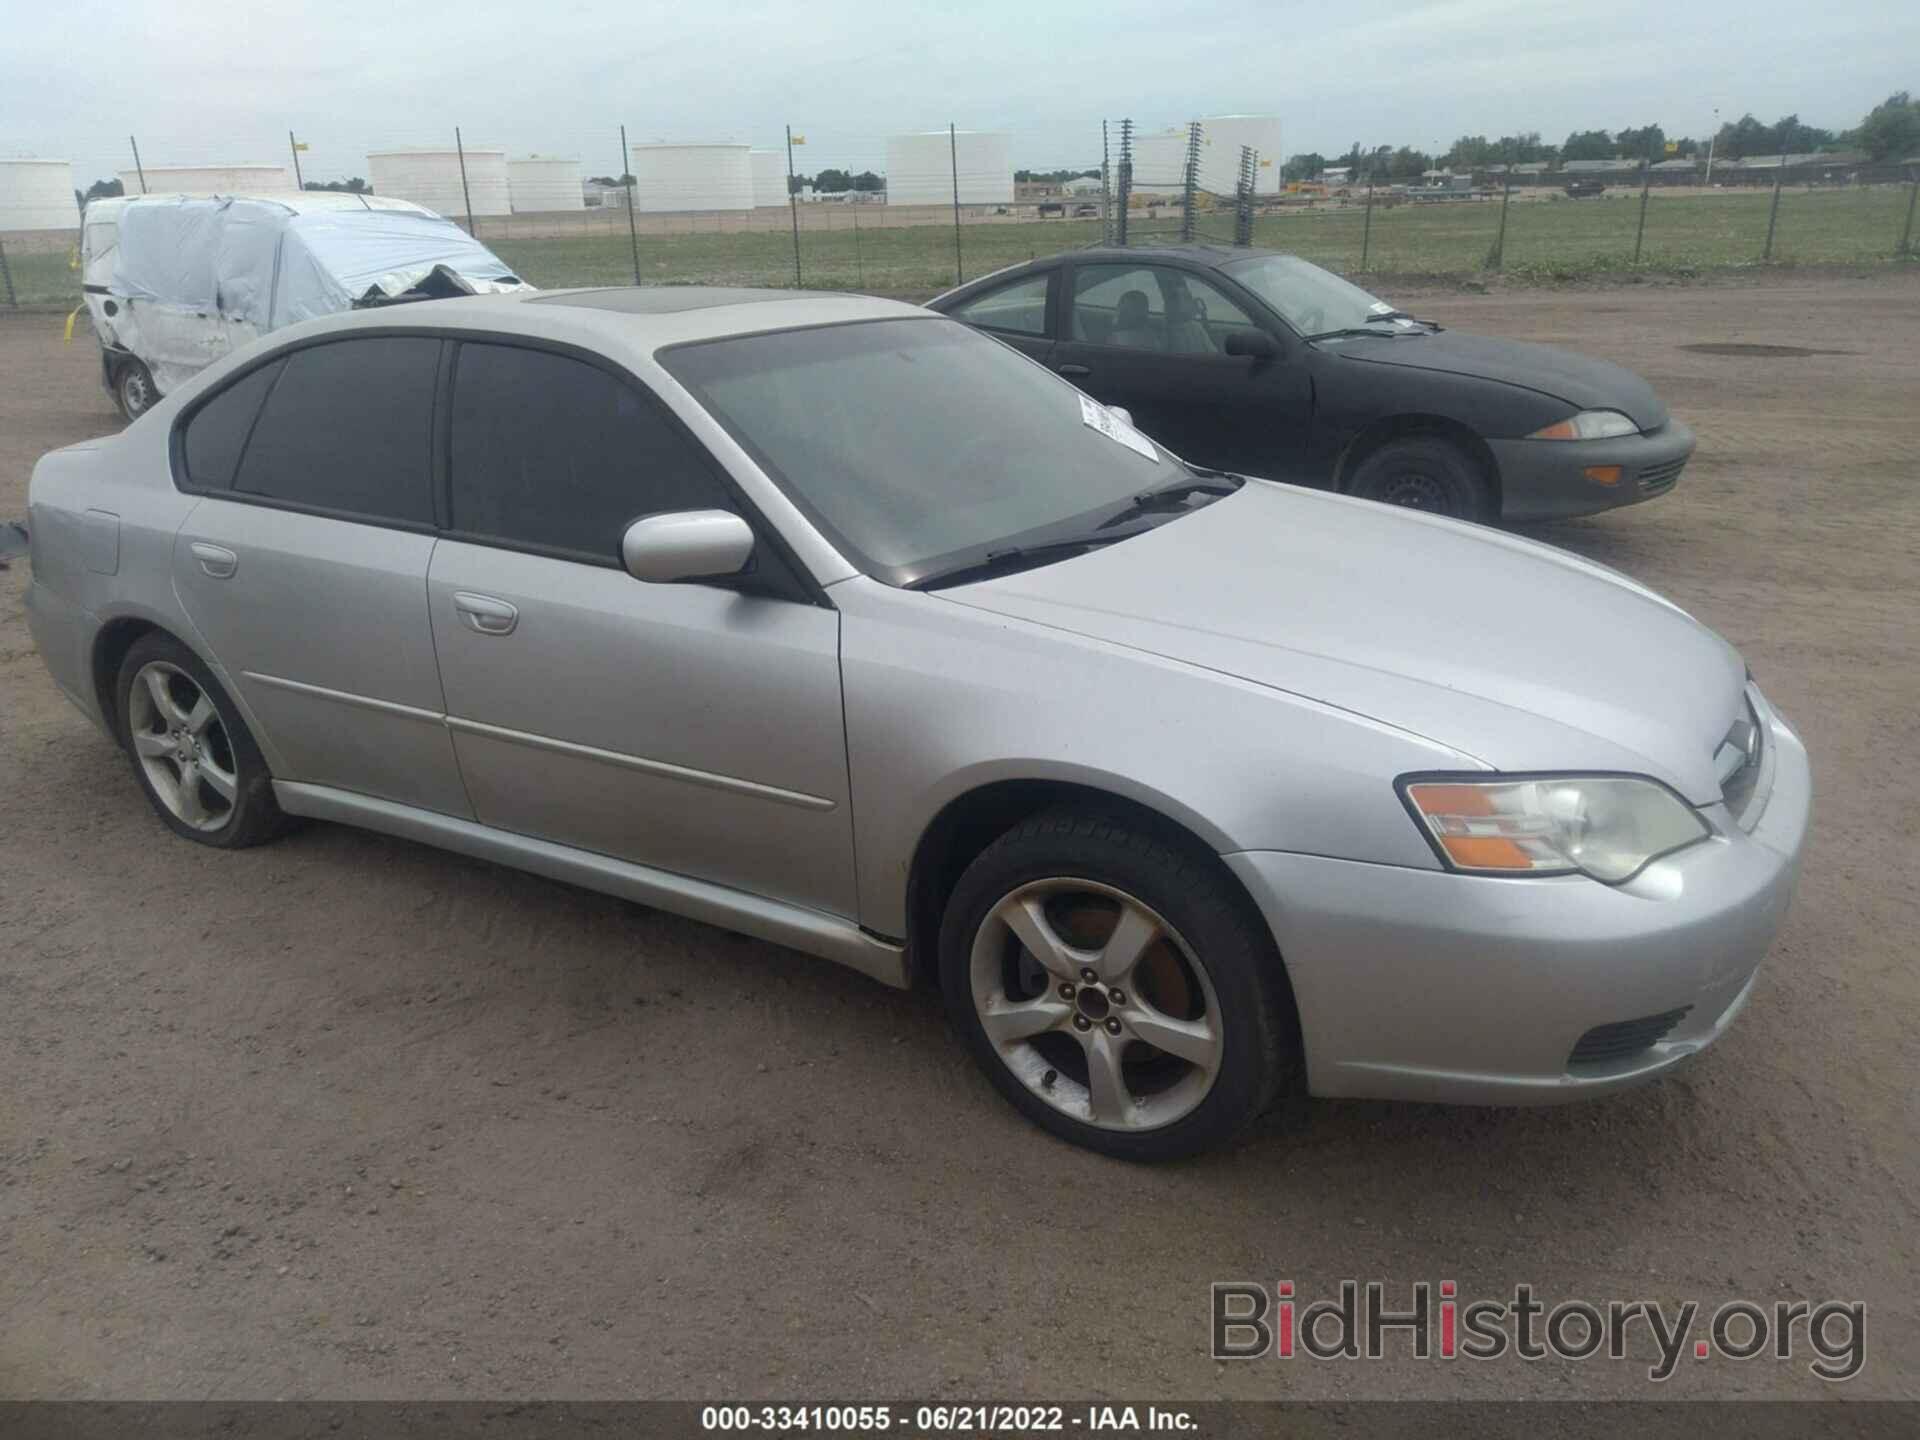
1588 425
1606 826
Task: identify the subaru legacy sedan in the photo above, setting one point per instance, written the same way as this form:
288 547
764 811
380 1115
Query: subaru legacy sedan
1263 362
836 622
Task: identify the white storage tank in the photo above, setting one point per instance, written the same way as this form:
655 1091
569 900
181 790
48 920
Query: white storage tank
538 183
37 195
208 180
1221 137
769 177
693 177
1160 160
921 168
432 178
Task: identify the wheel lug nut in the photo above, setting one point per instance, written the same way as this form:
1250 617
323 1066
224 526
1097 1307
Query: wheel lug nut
1087 975
1066 990
1113 1026
1080 1022
1116 997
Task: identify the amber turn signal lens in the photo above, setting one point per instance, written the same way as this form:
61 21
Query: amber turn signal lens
1603 474
1560 430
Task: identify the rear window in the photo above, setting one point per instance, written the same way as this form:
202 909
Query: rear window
349 428
217 432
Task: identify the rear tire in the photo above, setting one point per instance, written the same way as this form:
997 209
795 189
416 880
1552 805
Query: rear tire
1423 473
191 753
133 389
1186 1031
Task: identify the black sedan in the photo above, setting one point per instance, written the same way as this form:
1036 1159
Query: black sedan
1253 361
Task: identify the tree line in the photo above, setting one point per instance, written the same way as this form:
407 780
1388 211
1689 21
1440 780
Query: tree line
1889 132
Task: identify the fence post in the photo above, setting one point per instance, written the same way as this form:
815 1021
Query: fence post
953 158
138 169
1773 210
1366 226
859 266
793 211
1906 235
1646 185
1106 189
1498 258
627 188
1243 198
1123 200
1190 180
460 149
6 278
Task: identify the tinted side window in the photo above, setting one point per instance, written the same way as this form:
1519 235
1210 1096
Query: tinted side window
218 431
349 426
555 453
1020 307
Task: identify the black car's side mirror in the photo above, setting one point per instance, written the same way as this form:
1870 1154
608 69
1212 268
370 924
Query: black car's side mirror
1252 344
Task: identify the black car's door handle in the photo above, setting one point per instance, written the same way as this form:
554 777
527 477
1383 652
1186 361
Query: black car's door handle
1074 371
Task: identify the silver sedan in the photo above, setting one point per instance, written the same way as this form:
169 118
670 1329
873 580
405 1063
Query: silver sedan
829 620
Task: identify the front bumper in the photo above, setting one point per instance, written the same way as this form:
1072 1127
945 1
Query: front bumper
1546 479
1426 985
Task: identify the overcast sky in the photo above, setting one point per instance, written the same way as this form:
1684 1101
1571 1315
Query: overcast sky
204 82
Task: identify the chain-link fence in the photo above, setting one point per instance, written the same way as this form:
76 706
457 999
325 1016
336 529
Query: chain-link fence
912 214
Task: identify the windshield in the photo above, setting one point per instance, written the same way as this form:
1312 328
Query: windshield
1311 300
920 444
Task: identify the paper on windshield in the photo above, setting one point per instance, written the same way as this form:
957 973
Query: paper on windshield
1096 416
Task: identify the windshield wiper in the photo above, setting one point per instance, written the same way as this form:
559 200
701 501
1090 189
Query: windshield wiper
1357 330
1021 557
1403 315
1169 497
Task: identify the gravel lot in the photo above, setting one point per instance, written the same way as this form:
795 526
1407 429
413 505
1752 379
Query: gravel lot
348 1117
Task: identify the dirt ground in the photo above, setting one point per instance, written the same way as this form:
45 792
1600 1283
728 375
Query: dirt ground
349 1117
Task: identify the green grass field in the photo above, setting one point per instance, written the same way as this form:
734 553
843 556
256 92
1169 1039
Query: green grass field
1545 240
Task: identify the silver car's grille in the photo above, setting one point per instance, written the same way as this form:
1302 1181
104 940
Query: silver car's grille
1658 479
1737 761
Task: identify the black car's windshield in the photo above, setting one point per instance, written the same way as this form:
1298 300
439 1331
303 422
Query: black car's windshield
921 446
1315 301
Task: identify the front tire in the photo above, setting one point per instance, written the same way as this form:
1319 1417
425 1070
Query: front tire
133 389
1115 987
1423 473
191 753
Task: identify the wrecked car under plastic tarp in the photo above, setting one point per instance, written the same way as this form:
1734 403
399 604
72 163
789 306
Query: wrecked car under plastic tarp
197 278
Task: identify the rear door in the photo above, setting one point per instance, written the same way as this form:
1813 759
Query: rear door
304 566
692 728
1018 312
1152 338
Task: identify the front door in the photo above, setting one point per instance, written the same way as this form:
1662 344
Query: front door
692 728
1151 338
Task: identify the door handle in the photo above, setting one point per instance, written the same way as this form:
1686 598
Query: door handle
485 615
216 560
1074 372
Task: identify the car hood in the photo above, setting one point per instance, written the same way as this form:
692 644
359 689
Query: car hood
1518 656
1580 380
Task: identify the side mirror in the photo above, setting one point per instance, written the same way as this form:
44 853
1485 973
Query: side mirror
1126 415
1254 344
686 545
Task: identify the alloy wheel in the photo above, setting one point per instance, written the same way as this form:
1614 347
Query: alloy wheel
1096 1004
182 745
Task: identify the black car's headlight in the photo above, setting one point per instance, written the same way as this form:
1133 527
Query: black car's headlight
1607 826
1588 425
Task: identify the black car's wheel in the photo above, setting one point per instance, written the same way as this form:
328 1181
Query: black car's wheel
1115 988
133 388
1423 473
191 754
